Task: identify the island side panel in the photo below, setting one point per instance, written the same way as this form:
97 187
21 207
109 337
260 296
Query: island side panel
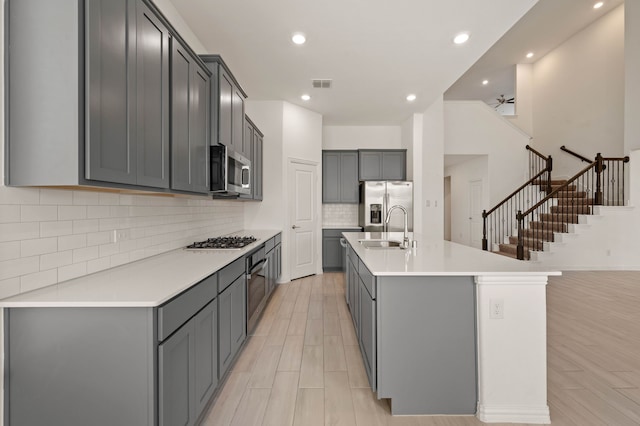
79 366
427 344
512 350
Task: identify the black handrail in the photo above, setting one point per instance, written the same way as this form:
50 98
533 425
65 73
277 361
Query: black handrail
575 154
535 152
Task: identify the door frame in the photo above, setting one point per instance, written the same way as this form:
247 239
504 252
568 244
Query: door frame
317 250
470 185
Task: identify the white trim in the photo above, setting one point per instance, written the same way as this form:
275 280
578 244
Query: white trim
537 279
301 161
514 414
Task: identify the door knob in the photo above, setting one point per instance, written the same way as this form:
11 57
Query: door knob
295 227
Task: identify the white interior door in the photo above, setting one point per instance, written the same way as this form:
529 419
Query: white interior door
475 213
303 217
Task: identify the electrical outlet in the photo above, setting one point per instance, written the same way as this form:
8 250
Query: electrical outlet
120 235
496 309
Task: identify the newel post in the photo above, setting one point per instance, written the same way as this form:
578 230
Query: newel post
520 248
549 169
599 168
484 230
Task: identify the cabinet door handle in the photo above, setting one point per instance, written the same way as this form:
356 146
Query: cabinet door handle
295 227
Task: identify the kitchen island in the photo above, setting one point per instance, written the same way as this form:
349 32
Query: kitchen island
449 329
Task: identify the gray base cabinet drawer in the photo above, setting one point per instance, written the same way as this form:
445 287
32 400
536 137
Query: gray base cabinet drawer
230 273
367 278
178 310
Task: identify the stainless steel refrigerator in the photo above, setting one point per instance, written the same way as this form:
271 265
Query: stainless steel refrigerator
377 197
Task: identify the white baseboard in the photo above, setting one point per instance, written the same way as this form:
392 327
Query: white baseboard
514 414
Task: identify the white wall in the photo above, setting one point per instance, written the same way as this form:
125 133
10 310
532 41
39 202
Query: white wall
473 128
361 137
171 13
290 132
432 166
461 174
579 95
411 140
523 117
632 71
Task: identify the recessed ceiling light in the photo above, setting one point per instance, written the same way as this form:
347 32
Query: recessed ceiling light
461 38
298 38
598 5
530 55
411 97
485 82
305 97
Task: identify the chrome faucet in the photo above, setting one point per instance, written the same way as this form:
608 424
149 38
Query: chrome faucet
405 240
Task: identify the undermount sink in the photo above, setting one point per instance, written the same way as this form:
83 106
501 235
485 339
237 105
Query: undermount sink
380 244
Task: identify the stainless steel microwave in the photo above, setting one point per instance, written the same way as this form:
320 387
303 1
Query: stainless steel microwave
230 172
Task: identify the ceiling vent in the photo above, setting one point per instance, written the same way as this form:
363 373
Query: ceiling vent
321 83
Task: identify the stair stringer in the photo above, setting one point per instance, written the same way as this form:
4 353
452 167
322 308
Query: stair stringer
608 239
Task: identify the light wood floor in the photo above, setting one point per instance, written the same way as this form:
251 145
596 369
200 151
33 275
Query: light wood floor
303 366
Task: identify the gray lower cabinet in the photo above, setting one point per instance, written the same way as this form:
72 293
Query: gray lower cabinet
333 254
354 294
117 366
340 177
383 164
95 116
231 323
176 381
190 122
367 335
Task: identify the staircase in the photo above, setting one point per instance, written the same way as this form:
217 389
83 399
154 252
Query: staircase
567 204
542 208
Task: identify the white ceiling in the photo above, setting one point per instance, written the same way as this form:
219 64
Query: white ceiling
543 28
376 51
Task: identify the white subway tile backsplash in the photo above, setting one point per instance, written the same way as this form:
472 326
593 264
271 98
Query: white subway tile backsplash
56 196
38 246
17 267
70 242
85 254
340 214
51 235
38 280
10 250
9 213
9 287
10 195
72 271
56 260
55 229
86 226
19 231
38 213
72 212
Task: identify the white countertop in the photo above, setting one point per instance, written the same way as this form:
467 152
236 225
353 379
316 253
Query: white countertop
341 227
437 257
145 283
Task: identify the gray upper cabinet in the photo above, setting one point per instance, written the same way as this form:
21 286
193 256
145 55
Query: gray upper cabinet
253 138
340 177
127 94
227 106
383 164
190 122
99 115
111 89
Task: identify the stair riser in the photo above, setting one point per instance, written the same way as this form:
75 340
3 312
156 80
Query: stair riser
571 209
527 243
548 226
538 234
566 218
570 194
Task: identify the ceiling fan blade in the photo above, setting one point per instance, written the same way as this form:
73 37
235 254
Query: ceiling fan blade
510 100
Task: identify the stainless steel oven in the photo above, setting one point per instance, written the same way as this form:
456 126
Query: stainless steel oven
256 287
230 172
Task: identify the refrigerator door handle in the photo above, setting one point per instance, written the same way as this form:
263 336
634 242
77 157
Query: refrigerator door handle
385 208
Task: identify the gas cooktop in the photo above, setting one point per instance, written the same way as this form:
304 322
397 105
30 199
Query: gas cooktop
222 243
